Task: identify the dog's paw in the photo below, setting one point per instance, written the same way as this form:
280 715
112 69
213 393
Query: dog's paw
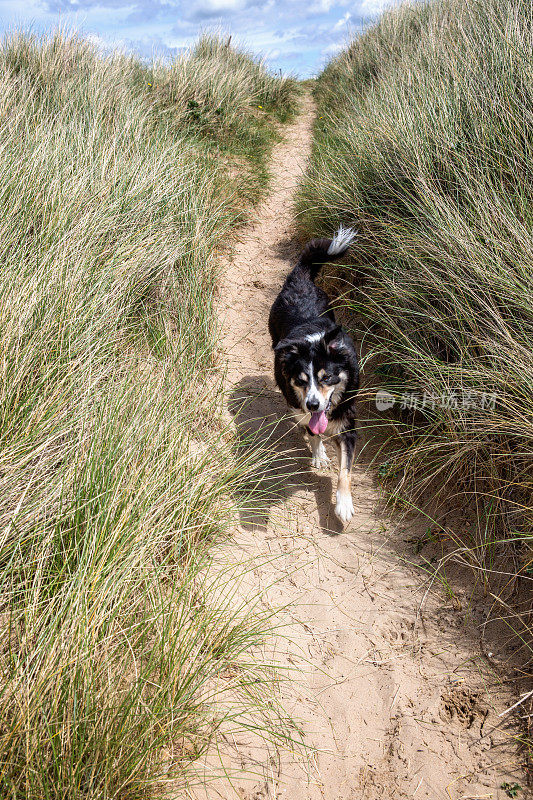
320 461
344 508
320 458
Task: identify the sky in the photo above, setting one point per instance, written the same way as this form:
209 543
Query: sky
296 36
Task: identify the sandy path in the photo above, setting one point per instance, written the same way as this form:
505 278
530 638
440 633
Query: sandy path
397 703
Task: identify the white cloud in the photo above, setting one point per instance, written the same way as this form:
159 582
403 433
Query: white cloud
220 6
332 48
321 6
342 22
291 34
373 7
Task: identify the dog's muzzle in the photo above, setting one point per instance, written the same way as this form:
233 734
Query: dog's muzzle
326 411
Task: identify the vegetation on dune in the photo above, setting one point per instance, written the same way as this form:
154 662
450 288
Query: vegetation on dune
424 142
118 181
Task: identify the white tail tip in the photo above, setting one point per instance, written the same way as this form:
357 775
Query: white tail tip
341 241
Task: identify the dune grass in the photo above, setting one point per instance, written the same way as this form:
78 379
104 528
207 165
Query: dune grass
424 143
118 183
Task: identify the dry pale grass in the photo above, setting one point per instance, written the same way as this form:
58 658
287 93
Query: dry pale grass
116 473
424 142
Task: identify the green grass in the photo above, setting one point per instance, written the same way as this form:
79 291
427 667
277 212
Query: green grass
424 142
118 183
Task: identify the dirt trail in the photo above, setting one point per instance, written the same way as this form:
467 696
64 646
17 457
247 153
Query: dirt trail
398 702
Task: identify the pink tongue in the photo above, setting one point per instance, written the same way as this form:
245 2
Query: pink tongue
318 423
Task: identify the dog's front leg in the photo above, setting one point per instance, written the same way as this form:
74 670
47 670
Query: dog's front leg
319 457
345 442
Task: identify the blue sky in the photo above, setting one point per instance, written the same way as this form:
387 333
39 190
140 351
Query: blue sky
297 36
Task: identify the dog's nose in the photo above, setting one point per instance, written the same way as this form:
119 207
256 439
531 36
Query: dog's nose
312 405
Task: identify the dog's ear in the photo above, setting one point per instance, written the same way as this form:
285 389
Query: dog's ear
333 338
286 346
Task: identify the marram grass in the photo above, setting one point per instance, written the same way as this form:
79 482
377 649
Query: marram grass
118 181
424 142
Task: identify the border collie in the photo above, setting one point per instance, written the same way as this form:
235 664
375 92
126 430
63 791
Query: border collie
315 363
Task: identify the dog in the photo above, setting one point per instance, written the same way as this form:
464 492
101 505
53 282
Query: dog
315 363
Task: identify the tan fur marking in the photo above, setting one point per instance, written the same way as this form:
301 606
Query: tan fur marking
338 389
326 391
344 481
299 392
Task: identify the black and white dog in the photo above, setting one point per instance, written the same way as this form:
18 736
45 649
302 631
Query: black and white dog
315 361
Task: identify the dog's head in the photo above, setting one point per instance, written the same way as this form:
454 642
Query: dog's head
316 366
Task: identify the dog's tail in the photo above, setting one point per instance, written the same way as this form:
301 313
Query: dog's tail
318 251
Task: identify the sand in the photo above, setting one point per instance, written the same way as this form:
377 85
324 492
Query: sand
390 684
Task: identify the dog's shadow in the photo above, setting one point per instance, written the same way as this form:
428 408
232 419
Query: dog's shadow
273 453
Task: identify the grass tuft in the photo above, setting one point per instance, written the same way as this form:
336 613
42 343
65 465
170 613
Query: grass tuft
424 142
118 183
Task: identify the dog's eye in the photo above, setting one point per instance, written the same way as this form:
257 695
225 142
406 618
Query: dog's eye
301 380
330 380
